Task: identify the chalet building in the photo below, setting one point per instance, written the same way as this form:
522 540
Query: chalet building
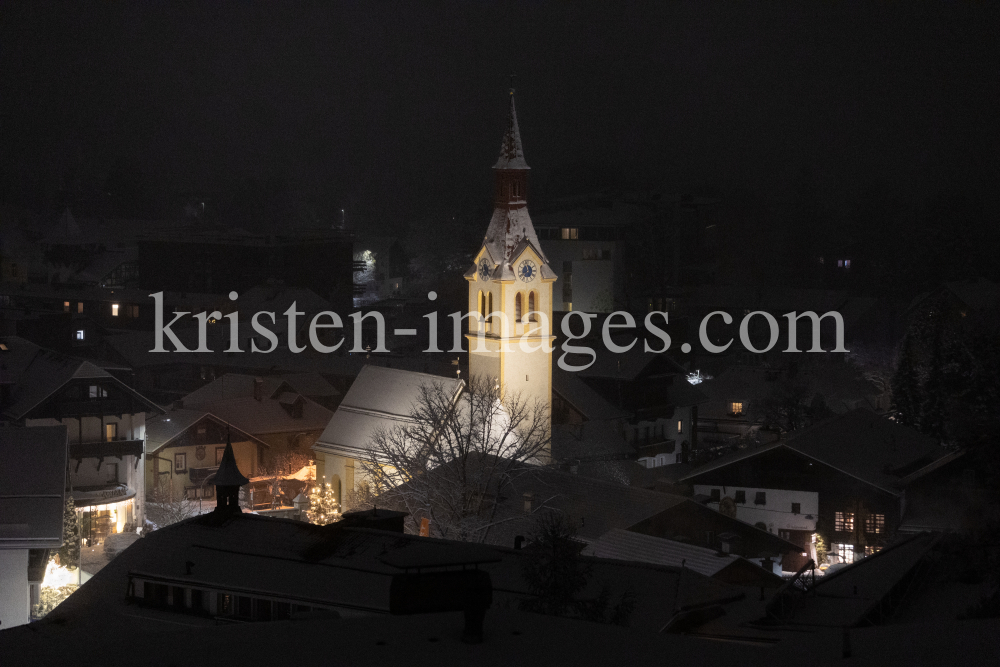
32 497
847 477
596 507
106 423
281 411
184 448
737 396
648 397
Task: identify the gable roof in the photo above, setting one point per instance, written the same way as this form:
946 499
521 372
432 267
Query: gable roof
379 398
627 545
860 444
164 429
37 373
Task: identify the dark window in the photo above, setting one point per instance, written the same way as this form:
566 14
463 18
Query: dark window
197 600
178 597
740 496
154 594
716 495
760 498
244 606
224 604
281 611
796 508
219 451
710 537
262 610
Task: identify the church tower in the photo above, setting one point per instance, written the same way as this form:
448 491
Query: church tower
511 286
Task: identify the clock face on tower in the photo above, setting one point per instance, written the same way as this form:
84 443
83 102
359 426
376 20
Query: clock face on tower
526 271
484 269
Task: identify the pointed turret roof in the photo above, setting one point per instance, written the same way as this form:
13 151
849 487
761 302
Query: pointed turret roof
511 152
229 473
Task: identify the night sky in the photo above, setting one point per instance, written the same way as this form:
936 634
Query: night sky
395 110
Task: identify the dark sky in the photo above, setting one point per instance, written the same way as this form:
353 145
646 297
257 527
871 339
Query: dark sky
395 109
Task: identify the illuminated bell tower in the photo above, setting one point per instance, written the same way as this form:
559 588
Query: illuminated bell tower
510 284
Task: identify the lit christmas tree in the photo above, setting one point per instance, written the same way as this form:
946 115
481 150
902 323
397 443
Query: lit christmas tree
69 552
323 508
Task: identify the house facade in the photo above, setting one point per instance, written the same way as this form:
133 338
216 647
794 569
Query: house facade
106 424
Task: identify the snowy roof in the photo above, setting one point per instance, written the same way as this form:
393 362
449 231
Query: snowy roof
31 505
378 398
511 152
507 229
626 545
860 444
38 373
161 430
343 567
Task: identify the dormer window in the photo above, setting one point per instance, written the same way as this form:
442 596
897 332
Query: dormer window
736 407
97 391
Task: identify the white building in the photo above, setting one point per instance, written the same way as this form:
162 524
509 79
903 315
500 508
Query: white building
32 483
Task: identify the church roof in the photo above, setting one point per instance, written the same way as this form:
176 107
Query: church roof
511 152
229 473
508 228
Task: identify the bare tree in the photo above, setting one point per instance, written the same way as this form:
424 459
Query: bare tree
164 508
455 458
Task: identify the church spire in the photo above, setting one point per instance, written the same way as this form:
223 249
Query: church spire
511 152
228 480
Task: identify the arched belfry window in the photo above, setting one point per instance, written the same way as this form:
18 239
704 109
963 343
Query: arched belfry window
489 309
532 307
517 306
481 306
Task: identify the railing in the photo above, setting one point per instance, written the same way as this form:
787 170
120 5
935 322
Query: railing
102 449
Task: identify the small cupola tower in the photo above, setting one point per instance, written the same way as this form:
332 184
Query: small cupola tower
228 480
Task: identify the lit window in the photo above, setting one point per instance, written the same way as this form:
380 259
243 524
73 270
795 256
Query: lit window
114 310
570 233
840 263
875 523
79 334
845 551
65 306
871 551
680 426
110 432
847 263
737 408
180 462
843 522
79 307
